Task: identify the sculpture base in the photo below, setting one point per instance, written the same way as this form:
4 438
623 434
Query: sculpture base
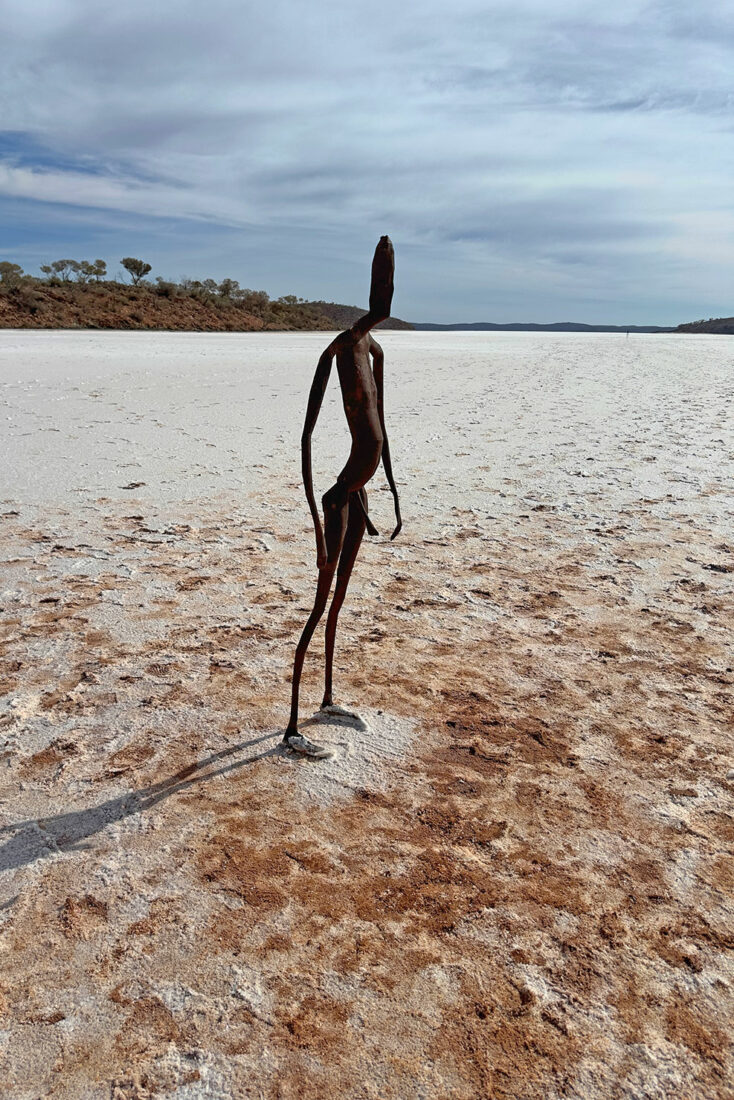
343 716
304 747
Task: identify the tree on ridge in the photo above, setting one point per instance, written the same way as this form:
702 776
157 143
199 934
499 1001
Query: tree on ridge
60 269
10 274
137 269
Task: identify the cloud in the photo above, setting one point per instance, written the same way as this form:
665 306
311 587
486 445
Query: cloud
535 152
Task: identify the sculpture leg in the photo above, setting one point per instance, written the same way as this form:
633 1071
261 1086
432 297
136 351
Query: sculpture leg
352 541
336 511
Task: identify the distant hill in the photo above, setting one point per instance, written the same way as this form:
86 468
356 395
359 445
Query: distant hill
195 306
343 317
559 326
190 307
724 326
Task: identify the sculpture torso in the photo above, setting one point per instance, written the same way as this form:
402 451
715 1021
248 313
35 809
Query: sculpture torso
359 395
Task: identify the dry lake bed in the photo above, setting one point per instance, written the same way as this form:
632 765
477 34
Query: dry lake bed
517 882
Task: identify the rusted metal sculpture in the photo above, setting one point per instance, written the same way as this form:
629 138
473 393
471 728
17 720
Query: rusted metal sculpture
345 504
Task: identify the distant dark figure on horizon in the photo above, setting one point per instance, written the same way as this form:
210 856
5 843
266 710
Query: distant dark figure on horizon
345 504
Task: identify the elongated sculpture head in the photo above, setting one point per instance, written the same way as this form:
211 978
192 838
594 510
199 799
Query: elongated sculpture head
383 273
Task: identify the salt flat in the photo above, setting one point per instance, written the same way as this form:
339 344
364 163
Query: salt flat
519 882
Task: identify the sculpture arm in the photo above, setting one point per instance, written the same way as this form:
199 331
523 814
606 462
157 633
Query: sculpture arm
378 360
315 398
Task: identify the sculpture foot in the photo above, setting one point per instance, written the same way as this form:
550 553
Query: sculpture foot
333 710
301 745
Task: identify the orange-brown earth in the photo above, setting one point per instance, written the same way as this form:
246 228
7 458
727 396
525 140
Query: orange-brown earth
111 305
531 897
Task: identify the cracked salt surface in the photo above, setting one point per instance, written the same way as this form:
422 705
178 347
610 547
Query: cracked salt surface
544 886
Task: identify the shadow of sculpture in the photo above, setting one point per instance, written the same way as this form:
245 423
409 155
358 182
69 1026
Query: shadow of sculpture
39 838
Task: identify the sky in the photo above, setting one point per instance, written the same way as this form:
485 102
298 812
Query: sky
539 160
